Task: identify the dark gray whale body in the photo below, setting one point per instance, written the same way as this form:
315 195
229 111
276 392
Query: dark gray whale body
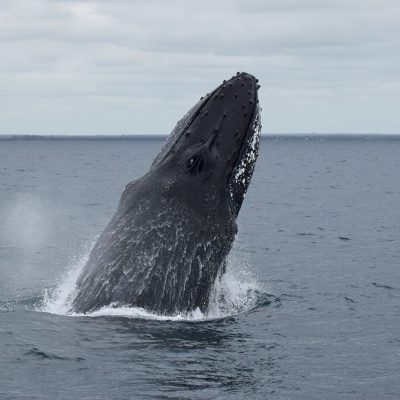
169 238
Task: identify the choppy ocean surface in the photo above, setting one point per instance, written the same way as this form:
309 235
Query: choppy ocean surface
309 308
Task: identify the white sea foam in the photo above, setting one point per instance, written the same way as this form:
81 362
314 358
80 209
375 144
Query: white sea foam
235 292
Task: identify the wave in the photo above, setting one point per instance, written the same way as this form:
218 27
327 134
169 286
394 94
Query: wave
235 292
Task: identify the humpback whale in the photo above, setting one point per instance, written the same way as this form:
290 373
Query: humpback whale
168 240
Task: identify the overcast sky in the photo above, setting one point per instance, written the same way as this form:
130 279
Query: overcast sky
136 66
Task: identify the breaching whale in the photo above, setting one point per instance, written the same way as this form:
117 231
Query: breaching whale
168 240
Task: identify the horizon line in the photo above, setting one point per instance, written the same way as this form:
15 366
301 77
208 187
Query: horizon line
5 137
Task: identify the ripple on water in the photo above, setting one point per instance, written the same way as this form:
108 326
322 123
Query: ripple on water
37 353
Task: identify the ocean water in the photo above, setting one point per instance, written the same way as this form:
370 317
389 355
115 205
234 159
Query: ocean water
311 304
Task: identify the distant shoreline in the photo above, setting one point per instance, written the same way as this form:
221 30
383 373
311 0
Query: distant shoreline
265 136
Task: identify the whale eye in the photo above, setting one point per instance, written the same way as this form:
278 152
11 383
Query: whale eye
195 164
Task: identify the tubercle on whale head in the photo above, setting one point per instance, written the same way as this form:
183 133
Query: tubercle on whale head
216 142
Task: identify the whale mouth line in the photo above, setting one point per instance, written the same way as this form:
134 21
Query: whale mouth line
242 168
242 147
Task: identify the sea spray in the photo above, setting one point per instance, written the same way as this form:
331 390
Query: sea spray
27 222
236 291
58 300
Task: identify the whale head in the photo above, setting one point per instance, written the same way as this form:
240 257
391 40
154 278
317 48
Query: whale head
215 145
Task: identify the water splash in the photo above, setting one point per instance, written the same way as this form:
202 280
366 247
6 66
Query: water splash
235 292
59 300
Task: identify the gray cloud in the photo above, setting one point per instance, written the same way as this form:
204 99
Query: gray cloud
136 66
